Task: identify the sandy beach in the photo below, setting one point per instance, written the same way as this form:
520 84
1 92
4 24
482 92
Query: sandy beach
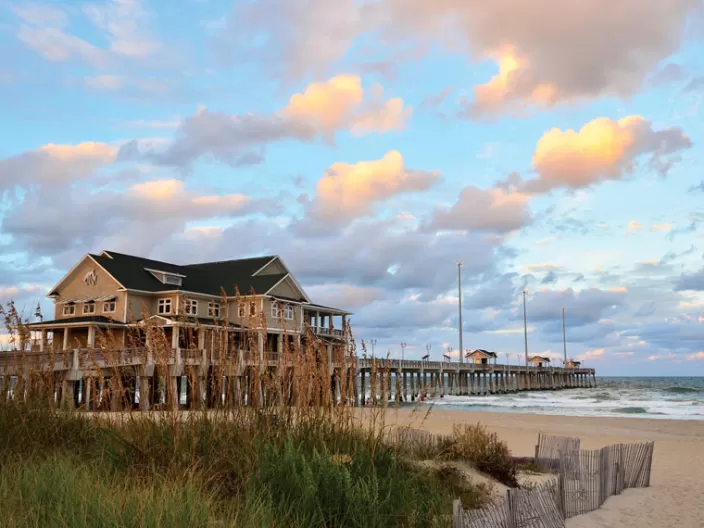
675 495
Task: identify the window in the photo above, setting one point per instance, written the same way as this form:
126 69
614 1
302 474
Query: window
214 309
109 307
69 309
275 310
288 312
89 308
241 309
252 308
164 306
172 279
191 307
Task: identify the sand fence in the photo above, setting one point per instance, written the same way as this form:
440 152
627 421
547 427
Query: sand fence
583 481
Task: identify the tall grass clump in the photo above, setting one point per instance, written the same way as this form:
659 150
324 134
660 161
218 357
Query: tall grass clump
483 450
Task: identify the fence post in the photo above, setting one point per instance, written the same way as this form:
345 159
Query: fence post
457 521
511 517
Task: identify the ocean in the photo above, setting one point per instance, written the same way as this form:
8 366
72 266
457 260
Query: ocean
679 398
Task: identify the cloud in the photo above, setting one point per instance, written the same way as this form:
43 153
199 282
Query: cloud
691 281
105 82
525 40
602 149
351 190
668 74
55 164
663 228
57 46
633 227
322 110
50 221
348 295
327 105
493 209
581 306
124 23
301 39
42 15
336 103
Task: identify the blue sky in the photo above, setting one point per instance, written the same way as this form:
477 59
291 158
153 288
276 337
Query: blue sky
372 144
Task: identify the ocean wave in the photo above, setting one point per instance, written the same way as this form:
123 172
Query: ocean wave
632 410
681 390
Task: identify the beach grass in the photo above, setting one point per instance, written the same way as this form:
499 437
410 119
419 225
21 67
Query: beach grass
305 465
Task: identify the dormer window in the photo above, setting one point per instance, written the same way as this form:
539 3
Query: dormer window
174 280
69 309
167 277
89 308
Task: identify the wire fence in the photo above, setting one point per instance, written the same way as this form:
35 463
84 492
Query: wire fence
584 480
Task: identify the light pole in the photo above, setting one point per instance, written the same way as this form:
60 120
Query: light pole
373 343
427 351
564 336
403 350
525 326
459 290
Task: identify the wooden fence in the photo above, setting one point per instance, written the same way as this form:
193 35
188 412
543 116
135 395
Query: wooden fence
585 479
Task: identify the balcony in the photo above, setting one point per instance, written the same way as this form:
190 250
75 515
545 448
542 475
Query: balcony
325 331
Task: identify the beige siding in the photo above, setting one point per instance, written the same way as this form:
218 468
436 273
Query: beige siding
74 287
138 306
288 289
273 268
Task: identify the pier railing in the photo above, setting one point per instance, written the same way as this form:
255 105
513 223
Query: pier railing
76 359
411 364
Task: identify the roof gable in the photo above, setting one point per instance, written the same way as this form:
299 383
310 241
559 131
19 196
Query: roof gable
92 258
481 353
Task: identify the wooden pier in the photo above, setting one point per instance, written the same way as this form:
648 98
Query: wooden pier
440 378
96 379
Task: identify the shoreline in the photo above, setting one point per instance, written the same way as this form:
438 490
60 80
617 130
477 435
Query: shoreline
674 497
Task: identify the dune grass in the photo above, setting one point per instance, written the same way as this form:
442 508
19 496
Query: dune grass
306 465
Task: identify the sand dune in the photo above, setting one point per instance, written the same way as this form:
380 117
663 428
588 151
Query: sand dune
675 496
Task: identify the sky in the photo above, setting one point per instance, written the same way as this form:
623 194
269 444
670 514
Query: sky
550 146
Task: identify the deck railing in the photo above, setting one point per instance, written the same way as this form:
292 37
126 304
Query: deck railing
101 358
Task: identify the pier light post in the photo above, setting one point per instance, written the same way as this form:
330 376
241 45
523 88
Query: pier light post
403 350
373 343
525 326
564 336
427 351
459 291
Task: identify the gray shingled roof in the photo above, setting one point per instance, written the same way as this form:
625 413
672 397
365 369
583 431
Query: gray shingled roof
207 278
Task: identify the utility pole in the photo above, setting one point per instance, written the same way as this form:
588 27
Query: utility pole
525 326
564 335
403 350
459 290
